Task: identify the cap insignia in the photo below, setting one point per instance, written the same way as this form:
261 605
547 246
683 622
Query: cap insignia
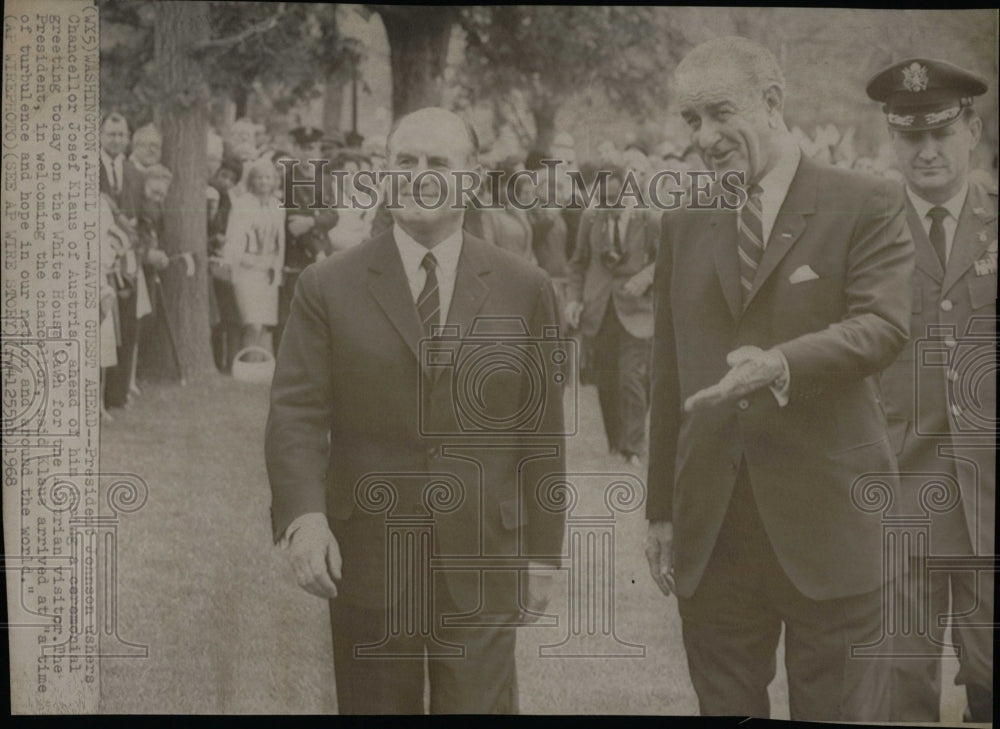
915 77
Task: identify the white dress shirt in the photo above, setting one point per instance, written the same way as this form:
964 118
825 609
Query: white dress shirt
446 253
950 223
412 253
774 188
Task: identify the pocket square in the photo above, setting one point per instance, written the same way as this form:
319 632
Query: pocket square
802 274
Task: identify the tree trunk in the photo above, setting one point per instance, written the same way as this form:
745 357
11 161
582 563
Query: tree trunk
544 114
418 50
181 110
240 99
333 99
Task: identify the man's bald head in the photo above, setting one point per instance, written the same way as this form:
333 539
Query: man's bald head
731 62
435 117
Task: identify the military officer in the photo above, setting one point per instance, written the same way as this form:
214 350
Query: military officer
940 395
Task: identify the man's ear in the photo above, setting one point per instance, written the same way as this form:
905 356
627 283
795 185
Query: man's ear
975 129
774 100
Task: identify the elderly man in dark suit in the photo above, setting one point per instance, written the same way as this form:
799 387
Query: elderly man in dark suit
942 412
610 299
369 407
772 322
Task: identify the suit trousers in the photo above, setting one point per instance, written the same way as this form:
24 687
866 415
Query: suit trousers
916 671
116 389
483 681
622 364
732 624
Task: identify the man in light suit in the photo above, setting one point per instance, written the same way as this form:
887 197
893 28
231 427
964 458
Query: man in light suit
771 323
610 300
942 413
357 412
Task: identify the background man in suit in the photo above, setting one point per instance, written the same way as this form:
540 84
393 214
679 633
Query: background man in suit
943 418
348 405
123 183
771 323
119 177
610 299
306 228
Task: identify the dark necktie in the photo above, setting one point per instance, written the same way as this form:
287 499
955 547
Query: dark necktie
616 239
429 301
751 241
937 215
114 179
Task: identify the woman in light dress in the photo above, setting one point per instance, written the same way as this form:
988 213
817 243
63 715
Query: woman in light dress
254 251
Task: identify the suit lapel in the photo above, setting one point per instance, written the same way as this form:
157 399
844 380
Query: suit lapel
789 224
925 257
969 243
722 232
471 289
388 285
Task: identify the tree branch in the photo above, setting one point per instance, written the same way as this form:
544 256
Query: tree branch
232 40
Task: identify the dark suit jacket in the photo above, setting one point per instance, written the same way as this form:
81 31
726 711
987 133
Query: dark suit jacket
301 250
348 367
548 239
129 198
956 305
836 332
593 283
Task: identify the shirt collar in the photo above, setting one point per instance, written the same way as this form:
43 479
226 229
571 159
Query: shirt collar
953 206
776 183
446 252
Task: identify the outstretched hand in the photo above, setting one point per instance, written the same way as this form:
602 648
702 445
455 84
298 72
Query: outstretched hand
751 369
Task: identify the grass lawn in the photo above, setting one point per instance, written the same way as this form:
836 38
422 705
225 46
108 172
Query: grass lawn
228 629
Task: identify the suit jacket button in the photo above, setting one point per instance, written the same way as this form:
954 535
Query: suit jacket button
744 404
946 305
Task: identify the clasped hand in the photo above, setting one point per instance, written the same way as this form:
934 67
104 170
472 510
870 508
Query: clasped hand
316 558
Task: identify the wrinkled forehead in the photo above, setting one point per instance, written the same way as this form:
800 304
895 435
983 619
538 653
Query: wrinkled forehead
442 135
713 83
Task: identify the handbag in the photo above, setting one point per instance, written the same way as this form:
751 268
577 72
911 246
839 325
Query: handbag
258 372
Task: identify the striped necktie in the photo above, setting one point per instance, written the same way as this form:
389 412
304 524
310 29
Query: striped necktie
429 301
751 241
